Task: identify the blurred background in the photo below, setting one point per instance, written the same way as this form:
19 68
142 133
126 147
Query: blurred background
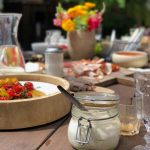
38 15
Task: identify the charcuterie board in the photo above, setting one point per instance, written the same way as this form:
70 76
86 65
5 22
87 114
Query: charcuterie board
107 79
96 71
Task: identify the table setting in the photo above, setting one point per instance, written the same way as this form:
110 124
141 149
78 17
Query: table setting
84 102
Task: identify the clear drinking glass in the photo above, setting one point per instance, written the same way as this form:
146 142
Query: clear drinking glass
11 57
143 88
130 123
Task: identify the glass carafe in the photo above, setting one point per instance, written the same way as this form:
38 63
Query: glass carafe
11 57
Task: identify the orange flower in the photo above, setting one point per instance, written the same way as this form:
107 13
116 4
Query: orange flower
71 12
89 5
81 12
68 25
80 7
78 10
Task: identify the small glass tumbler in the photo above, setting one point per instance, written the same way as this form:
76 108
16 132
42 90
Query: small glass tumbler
130 123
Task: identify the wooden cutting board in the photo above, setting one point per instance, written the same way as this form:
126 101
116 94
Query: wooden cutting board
109 79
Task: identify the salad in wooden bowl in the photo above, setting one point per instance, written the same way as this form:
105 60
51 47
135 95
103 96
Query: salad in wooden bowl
11 88
28 100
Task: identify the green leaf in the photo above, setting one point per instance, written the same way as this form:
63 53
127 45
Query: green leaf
59 8
92 12
81 22
121 3
98 48
23 93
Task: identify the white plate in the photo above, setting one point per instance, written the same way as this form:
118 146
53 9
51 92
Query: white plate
44 87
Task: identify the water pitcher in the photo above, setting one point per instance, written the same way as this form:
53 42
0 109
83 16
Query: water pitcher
11 57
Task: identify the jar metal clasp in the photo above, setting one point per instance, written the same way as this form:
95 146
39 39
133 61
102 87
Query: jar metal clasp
84 129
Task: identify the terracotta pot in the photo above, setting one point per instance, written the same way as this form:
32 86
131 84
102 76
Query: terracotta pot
81 44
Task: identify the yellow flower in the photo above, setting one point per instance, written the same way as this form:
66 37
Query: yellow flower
78 10
80 7
89 5
71 12
81 12
68 25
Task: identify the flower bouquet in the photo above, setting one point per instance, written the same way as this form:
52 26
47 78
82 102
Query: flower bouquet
79 21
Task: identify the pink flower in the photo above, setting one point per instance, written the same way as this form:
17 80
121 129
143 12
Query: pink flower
62 16
94 22
65 16
57 22
99 16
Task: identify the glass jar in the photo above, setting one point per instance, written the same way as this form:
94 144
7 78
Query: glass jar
11 57
52 66
99 127
52 37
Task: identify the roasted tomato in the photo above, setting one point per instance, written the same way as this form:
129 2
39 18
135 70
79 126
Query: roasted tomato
29 86
3 98
11 88
115 67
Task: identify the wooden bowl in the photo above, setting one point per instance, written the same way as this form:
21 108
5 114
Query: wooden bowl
24 113
127 59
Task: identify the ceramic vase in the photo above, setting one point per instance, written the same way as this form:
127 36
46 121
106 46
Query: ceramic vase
81 44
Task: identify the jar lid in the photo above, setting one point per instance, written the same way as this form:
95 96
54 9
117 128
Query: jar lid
53 50
97 99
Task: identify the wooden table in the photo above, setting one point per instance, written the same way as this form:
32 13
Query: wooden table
54 136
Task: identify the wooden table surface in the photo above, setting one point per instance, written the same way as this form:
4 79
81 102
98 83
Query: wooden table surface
53 136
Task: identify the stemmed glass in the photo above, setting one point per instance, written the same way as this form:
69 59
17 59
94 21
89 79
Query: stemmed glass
142 82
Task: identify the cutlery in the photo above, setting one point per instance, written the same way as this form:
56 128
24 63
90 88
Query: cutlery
71 98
